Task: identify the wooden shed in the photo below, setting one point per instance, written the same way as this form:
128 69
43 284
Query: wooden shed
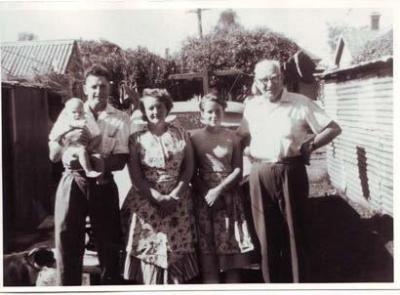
360 161
27 170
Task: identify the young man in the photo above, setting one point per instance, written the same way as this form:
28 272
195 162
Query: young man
78 196
275 124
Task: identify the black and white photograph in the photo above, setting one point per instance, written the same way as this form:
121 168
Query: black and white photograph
194 145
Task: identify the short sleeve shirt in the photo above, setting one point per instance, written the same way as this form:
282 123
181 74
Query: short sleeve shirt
114 129
278 129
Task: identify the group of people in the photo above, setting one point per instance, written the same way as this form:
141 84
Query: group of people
184 214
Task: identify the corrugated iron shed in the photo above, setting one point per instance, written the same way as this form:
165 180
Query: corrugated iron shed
25 59
360 160
362 68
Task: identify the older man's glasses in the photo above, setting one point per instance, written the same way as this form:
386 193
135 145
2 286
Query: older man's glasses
273 79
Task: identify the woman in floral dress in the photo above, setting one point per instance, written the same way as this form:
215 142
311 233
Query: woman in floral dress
157 214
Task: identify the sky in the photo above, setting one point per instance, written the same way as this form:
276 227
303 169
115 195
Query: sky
158 29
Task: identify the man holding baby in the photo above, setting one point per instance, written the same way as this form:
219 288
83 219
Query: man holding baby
78 195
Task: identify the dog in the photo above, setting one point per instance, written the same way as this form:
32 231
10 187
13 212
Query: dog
30 268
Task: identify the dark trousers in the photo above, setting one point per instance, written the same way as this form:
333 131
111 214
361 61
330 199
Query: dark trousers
76 198
278 193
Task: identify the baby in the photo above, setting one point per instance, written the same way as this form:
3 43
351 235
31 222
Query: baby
73 117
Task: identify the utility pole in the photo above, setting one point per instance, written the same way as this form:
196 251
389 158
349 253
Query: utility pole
205 76
198 12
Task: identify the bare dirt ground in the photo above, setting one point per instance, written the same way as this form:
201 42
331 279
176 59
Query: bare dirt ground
347 242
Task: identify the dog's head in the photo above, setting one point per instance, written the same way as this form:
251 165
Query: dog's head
21 269
41 257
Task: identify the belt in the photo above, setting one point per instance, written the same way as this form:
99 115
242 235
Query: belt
105 177
285 160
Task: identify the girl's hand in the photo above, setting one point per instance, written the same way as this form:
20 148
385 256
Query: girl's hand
212 196
174 196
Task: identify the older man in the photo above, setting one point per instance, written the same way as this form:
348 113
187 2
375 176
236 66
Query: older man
276 124
78 196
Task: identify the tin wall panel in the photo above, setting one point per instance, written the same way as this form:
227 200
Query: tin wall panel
24 59
360 161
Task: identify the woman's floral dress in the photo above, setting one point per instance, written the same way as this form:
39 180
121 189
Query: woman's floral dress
159 248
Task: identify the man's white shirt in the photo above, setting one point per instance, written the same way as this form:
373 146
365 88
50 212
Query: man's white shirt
278 129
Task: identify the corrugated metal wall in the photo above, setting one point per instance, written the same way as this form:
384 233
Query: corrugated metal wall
360 161
25 156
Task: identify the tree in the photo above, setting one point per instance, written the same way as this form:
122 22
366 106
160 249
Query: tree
376 48
27 36
136 68
62 84
139 65
130 70
334 32
238 49
230 46
106 53
228 23
147 69
364 43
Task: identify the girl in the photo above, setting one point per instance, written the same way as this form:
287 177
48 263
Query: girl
224 241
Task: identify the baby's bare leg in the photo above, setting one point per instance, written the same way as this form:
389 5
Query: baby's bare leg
84 160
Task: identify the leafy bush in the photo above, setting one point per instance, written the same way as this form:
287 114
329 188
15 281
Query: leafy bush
379 47
238 49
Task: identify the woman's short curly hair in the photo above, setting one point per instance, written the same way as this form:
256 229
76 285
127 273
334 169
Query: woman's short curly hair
214 98
161 94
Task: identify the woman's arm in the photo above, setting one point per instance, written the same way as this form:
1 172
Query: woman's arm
137 177
197 183
187 170
244 134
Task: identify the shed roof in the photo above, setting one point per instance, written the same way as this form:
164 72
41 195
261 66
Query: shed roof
382 62
24 59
